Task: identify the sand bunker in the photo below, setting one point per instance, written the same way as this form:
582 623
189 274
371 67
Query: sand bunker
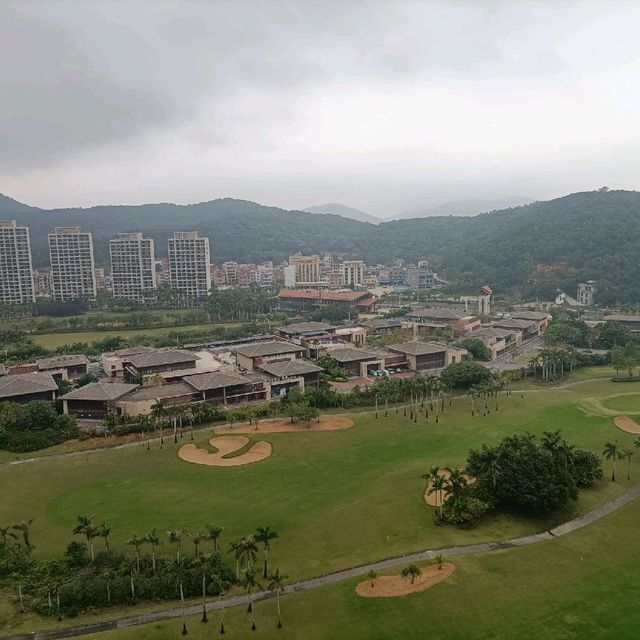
225 445
393 586
627 424
284 425
433 499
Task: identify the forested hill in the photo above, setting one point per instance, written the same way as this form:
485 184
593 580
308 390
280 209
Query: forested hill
531 249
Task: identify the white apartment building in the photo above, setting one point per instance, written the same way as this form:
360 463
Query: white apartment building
262 275
189 260
72 265
353 273
133 274
16 271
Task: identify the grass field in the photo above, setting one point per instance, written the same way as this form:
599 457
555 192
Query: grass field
336 498
583 586
629 403
57 339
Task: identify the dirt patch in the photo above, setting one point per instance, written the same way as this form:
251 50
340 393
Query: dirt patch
394 586
284 425
627 424
433 499
224 446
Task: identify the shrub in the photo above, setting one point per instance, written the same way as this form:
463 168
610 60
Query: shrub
464 511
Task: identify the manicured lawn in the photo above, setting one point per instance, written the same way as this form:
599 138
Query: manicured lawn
337 498
53 340
630 403
583 586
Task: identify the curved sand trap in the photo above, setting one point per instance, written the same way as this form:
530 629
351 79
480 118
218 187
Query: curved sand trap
433 499
627 424
284 425
393 586
225 445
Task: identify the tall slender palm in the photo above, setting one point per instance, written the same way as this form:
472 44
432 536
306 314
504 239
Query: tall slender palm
197 538
438 486
234 547
153 538
24 528
158 411
104 531
213 534
611 453
248 551
86 528
276 583
264 536
176 537
108 574
455 483
7 534
137 542
203 563
628 453
180 572
249 582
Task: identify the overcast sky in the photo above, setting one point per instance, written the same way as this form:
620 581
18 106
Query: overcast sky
379 105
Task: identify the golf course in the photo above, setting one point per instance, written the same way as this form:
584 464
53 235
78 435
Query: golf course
348 496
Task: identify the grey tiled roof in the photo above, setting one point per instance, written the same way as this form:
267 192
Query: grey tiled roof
100 391
214 380
172 390
306 327
438 313
59 362
529 315
268 349
23 384
284 369
351 354
418 348
160 357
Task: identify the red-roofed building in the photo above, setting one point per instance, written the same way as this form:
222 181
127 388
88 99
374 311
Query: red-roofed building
309 299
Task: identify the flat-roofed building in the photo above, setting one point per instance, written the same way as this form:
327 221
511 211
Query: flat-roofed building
352 273
631 322
133 273
307 269
189 264
72 266
16 269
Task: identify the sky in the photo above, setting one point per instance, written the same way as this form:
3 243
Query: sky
383 106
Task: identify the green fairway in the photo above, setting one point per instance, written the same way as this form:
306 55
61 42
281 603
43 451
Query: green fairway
337 498
583 586
628 403
57 339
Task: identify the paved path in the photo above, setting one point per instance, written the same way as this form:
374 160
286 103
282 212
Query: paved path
339 576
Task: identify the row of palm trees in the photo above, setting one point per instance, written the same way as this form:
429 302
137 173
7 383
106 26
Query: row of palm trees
613 452
487 391
445 485
245 551
552 362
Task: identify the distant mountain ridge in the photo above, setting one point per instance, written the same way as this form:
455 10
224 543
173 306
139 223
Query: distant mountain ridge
338 209
470 207
530 250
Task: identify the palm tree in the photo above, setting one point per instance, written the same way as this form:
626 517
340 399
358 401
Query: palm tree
611 453
250 583
264 535
248 551
234 548
24 528
104 531
108 574
176 537
412 572
455 483
371 577
204 563
276 582
6 533
158 411
153 539
628 453
197 539
179 570
213 534
85 527
136 542
439 560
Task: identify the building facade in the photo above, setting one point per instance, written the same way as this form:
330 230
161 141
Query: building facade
353 273
133 271
16 270
189 263
72 264
307 269
586 292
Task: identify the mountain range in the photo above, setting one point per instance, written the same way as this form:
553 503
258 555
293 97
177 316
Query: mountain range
529 250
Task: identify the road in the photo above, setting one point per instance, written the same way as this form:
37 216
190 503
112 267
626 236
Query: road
505 362
340 576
